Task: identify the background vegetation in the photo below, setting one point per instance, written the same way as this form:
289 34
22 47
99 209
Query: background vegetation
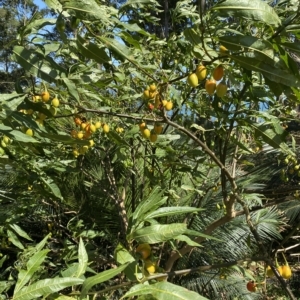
206 181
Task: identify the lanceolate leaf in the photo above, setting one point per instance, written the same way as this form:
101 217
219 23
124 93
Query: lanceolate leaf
13 238
263 49
270 71
45 287
91 50
20 231
168 211
32 266
256 10
163 291
82 259
158 233
35 64
104 276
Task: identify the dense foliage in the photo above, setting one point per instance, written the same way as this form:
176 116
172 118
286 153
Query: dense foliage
149 150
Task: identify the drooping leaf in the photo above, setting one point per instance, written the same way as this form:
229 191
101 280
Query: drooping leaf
45 287
169 211
91 50
256 10
20 231
158 233
14 239
101 277
36 64
163 291
32 266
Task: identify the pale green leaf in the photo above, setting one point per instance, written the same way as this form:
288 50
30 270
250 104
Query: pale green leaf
163 291
186 239
14 239
169 211
21 137
103 276
45 287
20 231
32 266
158 233
256 10
82 259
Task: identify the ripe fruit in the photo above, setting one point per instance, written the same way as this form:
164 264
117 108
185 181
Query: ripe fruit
146 94
55 102
269 272
210 86
169 105
150 266
223 50
201 72
98 125
158 128
286 272
83 126
77 121
29 132
218 73
192 80
92 128
150 106
153 136
279 269
152 88
92 143
80 135
146 133
105 128
119 129
87 135
45 96
164 103
142 126
144 250
221 90
36 98
251 286
157 101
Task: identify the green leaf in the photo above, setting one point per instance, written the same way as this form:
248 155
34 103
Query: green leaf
89 9
186 239
256 10
268 135
13 238
21 137
262 49
70 85
82 259
91 50
32 266
169 211
20 231
52 186
158 233
36 64
44 287
55 5
122 255
163 291
273 73
197 233
103 276
38 24
42 243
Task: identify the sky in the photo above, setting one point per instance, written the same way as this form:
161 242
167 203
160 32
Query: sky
40 3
